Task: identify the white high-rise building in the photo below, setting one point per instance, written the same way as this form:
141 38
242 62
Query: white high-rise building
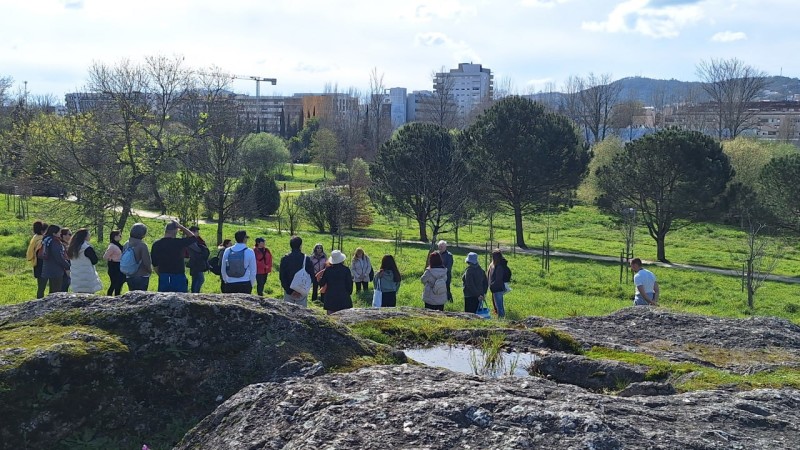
469 85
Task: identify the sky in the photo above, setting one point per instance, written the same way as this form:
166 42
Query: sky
307 44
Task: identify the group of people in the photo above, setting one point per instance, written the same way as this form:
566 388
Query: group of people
63 261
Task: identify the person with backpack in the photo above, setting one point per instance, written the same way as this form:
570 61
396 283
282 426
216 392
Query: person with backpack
167 256
498 274
214 264
238 266
338 283
263 264
198 260
33 256
434 280
291 267
55 266
135 262
388 280
112 256
83 258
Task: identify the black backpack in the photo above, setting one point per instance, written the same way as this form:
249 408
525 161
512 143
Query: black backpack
214 264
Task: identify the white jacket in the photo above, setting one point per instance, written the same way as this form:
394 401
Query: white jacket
83 274
249 264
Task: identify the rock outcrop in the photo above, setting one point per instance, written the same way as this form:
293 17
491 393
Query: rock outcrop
89 371
421 407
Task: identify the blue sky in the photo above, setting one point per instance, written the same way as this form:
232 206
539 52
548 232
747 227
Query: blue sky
308 43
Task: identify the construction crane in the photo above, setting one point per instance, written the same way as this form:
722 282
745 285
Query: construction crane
258 80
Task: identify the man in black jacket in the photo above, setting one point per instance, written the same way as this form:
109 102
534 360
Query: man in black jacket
291 263
198 254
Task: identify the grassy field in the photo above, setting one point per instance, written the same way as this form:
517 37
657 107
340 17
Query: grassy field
572 287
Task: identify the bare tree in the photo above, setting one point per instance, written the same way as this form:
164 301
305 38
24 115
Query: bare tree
732 85
379 126
759 259
787 130
441 108
220 130
597 96
139 103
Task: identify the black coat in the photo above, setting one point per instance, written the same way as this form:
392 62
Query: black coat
340 286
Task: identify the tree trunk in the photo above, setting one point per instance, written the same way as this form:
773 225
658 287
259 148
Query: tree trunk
423 230
518 226
660 253
220 217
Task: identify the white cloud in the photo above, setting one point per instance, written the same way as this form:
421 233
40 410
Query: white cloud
460 50
728 36
661 20
542 3
428 11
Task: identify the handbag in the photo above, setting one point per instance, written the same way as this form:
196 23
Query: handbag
371 274
483 311
377 295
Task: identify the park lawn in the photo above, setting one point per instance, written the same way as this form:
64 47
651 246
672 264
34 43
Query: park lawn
571 287
584 229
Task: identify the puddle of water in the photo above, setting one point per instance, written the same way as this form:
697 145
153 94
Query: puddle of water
471 360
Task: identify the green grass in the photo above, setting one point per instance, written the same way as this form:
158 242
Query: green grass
572 287
706 377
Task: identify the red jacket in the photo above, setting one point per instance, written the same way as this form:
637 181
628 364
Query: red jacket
263 260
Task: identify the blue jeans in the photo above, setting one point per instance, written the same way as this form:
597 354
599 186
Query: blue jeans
138 283
197 281
499 306
173 282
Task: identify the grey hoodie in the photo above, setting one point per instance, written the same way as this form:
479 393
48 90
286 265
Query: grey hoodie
142 254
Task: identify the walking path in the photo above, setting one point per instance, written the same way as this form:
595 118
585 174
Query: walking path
536 252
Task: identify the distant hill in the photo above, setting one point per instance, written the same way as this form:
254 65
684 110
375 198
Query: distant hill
647 90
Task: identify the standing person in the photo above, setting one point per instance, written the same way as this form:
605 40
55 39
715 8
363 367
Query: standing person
55 266
434 280
215 263
263 264
167 256
388 277
447 259
33 256
319 260
647 291
338 283
475 284
66 238
112 256
83 258
360 268
499 274
238 266
198 260
139 281
291 263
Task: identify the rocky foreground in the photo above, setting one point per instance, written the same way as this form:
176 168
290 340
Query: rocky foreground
236 371
422 407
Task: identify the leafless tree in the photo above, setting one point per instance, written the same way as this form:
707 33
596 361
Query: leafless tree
732 85
787 130
138 102
597 96
760 257
377 114
441 108
219 130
